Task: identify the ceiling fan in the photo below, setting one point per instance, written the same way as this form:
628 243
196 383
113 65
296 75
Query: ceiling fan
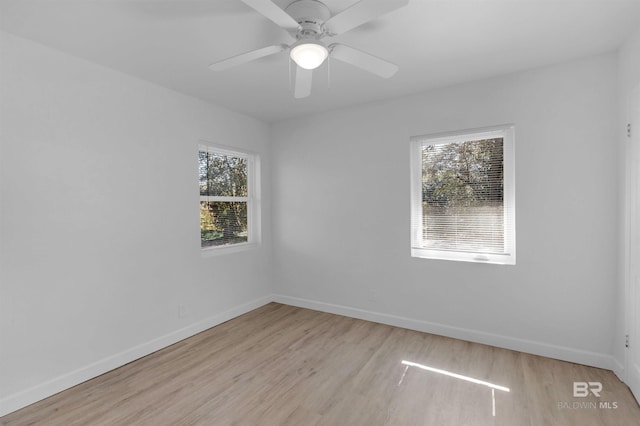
309 21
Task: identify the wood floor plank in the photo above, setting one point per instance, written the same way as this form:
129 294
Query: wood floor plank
282 365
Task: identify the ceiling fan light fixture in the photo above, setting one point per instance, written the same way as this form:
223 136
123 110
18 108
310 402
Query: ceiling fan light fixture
309 54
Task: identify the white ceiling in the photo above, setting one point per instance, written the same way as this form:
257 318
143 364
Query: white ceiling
434 42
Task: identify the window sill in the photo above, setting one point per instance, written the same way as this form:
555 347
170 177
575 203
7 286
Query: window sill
494 259
222 250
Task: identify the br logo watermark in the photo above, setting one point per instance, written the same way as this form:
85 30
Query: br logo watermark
583 390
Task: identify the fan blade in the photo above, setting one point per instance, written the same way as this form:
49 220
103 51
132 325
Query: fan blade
304 78
363 60
271 11
247 57
361 12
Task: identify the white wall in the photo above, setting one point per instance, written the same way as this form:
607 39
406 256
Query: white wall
99 233
629 62
341 214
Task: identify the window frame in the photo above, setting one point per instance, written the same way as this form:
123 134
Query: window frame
507 133
252 199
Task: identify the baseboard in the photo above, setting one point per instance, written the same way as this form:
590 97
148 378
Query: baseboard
563 353
633 381
618 368
29 396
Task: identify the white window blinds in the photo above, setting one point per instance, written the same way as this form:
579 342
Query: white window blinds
463 205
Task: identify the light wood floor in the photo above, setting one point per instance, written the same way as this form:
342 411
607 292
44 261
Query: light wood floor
281 365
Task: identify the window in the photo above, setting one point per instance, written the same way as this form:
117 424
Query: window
228 201
463 196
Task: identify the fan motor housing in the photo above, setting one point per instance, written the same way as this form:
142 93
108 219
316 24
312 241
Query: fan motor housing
310 14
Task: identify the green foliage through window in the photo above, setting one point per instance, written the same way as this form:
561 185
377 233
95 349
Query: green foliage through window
463 174
462 196
224 190
223 223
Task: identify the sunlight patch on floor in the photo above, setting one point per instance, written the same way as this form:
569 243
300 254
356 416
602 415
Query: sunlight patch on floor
493 386
456 375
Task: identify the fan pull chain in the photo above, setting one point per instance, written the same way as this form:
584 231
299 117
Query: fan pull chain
290 86
329 73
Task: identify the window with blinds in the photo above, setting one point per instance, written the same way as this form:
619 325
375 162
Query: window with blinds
227 197
463 196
